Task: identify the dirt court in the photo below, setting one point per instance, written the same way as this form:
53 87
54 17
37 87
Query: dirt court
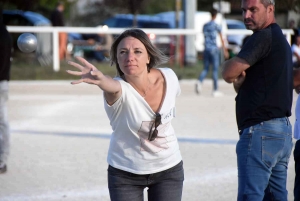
60 136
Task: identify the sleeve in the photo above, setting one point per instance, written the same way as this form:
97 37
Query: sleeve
178 88
175 82
114 109
257 47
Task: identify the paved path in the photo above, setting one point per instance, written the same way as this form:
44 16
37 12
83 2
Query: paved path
60 136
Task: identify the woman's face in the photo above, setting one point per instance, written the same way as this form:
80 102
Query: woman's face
132 56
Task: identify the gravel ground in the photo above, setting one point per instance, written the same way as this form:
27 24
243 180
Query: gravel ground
60 137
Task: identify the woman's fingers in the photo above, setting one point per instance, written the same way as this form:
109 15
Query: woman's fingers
76 82
74 72
76 65
89 73
85 63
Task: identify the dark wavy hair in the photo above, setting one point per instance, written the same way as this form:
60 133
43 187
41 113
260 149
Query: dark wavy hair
155 55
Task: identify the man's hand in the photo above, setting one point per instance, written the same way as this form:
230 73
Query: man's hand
226 54
239 81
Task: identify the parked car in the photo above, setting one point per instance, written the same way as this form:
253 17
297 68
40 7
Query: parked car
28 18
235 41
165 43
24 18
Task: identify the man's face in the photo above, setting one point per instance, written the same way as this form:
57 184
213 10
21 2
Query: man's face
256 15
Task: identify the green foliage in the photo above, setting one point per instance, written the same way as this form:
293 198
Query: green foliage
157 6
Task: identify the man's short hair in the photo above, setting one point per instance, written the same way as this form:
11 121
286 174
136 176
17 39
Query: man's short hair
213 12
267 2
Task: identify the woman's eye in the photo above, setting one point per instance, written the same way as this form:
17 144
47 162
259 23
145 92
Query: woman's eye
138 52
122 52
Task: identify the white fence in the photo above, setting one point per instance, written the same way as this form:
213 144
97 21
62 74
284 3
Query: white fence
56 30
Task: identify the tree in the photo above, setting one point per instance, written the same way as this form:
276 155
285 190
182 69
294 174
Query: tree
43 7
133 6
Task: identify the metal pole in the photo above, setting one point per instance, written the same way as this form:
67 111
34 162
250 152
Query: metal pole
178 53
190 9
56 61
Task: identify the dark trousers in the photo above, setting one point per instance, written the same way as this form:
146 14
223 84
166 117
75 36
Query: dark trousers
162 186
297 171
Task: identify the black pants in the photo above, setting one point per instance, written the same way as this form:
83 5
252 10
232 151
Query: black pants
297 171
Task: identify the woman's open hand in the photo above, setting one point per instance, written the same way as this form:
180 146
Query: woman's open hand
88 72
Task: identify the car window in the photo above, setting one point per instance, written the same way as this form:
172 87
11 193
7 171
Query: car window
15 20
36 18
152 24
142 22
236 26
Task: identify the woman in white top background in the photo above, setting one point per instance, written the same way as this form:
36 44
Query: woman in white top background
140 104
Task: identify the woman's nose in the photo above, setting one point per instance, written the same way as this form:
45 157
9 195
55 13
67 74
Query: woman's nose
130 56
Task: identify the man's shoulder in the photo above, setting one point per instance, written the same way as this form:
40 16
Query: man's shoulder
270 28
212 22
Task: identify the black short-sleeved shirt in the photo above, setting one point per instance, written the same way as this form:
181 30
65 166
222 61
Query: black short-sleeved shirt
267 91
57 18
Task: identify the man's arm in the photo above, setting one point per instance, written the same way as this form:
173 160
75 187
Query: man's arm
233 68
225 51
239 81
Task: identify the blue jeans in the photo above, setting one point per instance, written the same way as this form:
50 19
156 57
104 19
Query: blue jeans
162 186
4 126
211 57
263 153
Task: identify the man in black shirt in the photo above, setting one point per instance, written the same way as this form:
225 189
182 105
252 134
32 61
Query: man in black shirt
5 54
57 20
262 75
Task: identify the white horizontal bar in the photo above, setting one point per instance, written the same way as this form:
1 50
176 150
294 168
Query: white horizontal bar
97 30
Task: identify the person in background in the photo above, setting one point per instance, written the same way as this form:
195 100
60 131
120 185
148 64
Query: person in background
140 104
296 52
297 137
5 56
261 73
211 54
101 46
295 30
57 20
